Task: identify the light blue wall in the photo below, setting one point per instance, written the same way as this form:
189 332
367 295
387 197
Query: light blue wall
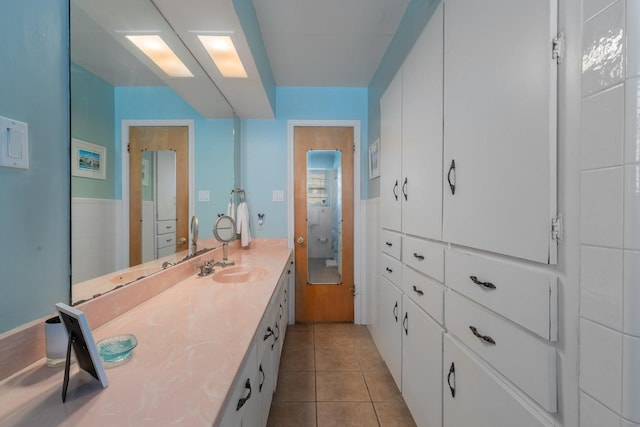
214 148
413 21
35 203
92 119
264 147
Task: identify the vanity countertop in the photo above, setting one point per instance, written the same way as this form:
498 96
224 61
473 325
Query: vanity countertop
192 339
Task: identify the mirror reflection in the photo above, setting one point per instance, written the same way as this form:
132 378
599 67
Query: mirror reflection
136 219
324 216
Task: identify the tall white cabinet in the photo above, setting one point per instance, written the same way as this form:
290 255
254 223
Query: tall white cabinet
467 303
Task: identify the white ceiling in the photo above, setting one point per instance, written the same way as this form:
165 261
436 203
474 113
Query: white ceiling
327 43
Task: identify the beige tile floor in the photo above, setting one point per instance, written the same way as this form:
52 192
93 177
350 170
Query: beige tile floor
331 374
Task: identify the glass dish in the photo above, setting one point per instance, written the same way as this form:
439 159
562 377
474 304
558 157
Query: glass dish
117 349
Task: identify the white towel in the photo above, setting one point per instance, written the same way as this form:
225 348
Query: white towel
231 210
242 224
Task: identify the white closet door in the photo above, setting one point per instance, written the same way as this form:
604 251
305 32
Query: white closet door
500 126
165 185
421 365
390 320
391 155
422 133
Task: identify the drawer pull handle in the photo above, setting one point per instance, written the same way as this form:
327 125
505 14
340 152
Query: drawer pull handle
389 270
485 338
405 323
244 400
395 311
417 291
452 168
452 374
268 334
404 189
264 377
276 336
487 285
418 256
395 190
389 244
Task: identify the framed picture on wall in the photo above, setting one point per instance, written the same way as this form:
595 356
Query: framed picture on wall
374 159
88 160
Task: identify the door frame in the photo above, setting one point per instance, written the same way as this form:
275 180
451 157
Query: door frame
360 296
123 242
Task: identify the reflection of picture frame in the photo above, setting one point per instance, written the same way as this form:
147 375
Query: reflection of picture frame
145 172
88 160
374 159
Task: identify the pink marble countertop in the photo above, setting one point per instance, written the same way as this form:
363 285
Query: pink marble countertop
193 338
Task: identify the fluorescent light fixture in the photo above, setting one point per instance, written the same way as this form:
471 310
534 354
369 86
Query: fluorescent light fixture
224 55
161 54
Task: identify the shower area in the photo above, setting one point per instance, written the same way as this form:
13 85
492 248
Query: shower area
324 216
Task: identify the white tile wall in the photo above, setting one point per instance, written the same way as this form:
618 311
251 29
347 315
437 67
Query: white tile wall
601 364
632 120
632 293
601 289
601 207
632 207
630 379
602 133
633 37
590 8
94 237
594 414
603 49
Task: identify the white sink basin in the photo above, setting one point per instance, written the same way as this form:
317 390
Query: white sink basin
239 274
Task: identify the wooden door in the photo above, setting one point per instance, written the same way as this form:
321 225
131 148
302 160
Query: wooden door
141 138
323 302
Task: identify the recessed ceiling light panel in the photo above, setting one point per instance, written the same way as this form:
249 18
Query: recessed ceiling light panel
224 55
161 54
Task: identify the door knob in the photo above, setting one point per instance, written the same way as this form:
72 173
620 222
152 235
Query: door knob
182 241
300 240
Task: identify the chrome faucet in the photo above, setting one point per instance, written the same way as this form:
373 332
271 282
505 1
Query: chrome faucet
223 263
206 268
166 264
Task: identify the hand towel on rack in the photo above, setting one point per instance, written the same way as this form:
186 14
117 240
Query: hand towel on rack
242 224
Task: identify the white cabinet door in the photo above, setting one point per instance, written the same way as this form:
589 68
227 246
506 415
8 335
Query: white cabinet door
422 133
266 383
500 126
391 155
474 396
390 319
421 365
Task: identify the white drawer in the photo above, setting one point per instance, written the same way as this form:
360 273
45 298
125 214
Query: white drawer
520 293
424 256
166 251
164 227
165 240
391 243
391 268
526 360
481 397
427 293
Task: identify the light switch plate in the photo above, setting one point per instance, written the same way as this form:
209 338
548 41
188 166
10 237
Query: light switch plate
14 144
204 196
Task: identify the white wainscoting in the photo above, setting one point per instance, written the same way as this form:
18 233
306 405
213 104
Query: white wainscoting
370 260
95 237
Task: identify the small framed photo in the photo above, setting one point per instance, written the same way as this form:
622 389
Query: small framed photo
374 159
145 172
88 160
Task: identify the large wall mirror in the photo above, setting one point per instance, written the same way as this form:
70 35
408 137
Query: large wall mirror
150 141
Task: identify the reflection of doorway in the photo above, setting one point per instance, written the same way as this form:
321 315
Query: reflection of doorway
323 300
156 138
